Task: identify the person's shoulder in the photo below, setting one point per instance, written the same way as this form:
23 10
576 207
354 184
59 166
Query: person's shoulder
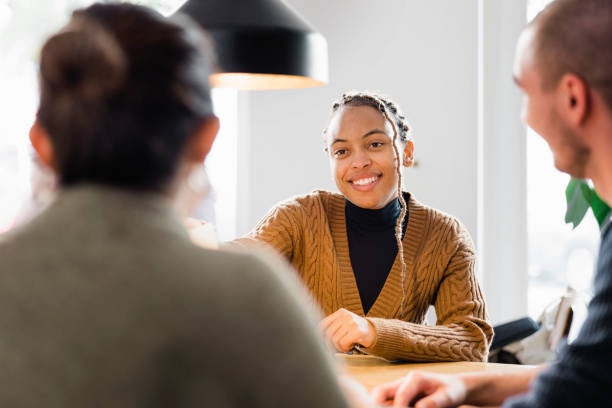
314 197
249 273
20 239
212 260
308 204
435 216
9 247
229 264
606 235
605 256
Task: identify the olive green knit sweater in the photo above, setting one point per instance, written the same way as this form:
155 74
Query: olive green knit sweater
310 231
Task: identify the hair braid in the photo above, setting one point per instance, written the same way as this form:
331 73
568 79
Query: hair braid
401 129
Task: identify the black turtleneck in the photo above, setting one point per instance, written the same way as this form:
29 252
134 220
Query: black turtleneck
372 246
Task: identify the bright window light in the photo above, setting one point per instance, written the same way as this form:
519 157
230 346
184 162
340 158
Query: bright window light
222 166
24 25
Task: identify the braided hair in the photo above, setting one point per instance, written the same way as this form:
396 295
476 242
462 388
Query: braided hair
401 130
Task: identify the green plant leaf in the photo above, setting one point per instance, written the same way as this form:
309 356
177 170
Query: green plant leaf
580 196
577 205
601 210
587 192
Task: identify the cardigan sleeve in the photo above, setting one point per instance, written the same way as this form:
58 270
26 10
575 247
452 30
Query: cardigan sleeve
462 332
278 229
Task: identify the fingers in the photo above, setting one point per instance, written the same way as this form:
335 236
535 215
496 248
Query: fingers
439 399
325 328
324 324
338 330
339 336
386 391
335 330
345 341
434 391
451 392
412 386
334 333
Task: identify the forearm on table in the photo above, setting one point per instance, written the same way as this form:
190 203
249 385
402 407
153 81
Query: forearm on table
396 339
495 388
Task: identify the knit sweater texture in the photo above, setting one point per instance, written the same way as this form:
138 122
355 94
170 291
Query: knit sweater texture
105 302
310 231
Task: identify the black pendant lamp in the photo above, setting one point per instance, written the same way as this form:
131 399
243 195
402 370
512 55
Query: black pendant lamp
261 44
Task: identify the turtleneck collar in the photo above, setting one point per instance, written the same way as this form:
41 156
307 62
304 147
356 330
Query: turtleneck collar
378 218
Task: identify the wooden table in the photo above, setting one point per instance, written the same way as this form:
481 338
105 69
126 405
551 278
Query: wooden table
372 371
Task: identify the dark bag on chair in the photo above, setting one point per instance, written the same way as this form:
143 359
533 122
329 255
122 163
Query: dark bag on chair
508 333
512 331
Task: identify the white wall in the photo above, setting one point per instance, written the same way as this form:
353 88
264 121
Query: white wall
425 55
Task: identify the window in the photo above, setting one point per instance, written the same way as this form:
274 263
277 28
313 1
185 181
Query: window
23 29
222 168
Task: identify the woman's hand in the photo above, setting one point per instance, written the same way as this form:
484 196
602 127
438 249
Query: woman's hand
433 391
344 329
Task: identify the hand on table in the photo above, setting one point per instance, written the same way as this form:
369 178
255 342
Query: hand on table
432 391
344 329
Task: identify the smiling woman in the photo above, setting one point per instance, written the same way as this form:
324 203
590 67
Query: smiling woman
375 259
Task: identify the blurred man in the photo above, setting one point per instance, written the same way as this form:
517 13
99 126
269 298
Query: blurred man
563 66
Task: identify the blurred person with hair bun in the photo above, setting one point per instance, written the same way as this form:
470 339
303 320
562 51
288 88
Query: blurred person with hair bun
104 301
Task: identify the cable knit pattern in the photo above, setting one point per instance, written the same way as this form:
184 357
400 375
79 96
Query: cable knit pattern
310 231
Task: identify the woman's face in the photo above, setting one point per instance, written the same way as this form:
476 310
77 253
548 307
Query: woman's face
359 142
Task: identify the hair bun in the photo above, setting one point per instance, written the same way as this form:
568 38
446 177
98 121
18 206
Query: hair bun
82 61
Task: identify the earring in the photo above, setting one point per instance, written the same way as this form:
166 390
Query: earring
407 161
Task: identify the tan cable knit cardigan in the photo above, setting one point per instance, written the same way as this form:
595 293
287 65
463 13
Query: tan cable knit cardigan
310 231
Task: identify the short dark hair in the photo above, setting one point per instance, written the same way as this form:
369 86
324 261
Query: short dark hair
575 36
122 91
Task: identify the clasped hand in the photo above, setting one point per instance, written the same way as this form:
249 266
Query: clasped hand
344 329
431 390
418 389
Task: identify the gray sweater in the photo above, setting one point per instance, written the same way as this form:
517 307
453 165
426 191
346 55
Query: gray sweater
104 302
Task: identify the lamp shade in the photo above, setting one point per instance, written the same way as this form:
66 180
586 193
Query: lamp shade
261 44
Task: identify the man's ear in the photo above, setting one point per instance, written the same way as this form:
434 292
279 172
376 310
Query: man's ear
203 139
408 155
42 144
573 98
